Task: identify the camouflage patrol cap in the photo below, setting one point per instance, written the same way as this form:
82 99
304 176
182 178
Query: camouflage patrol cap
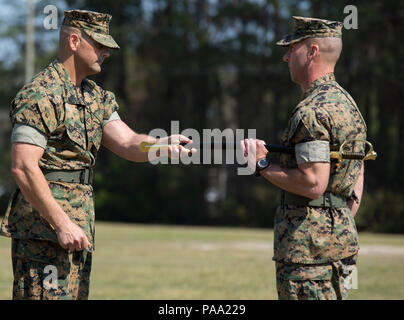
94 24
312 28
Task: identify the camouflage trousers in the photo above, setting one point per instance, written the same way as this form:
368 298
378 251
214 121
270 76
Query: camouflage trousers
43 270
314 282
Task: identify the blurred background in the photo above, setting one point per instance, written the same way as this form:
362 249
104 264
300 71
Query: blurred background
214 64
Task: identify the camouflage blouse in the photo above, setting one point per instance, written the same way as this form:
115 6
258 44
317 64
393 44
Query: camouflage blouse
71 118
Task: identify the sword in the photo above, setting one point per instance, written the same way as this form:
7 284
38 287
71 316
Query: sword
335 153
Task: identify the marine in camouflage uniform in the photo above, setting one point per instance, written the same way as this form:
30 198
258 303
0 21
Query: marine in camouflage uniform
67 121
59 121
72 120
316 241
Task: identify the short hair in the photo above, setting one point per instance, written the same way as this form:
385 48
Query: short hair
330 48
66 31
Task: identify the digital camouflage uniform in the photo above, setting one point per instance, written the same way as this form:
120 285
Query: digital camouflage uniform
71 118
315 248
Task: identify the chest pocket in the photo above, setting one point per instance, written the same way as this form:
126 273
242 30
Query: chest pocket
74 123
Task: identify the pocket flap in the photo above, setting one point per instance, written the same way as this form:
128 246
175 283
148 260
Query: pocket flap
74 124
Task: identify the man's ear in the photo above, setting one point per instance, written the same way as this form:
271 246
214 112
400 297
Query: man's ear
74 41
313 51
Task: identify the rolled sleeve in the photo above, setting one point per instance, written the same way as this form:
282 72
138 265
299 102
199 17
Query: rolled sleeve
27 134
114 116
312 151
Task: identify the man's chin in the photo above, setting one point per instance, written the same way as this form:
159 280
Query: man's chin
96 68
292 77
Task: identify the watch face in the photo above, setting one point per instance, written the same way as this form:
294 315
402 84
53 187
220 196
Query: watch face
262 163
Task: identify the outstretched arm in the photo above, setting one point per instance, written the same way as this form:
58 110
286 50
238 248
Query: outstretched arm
125 142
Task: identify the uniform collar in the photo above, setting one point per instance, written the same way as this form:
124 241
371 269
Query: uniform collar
329 77
72 94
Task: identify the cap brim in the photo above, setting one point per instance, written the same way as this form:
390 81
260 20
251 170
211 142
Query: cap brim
104 39
290 39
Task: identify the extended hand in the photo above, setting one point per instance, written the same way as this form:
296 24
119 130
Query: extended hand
175 149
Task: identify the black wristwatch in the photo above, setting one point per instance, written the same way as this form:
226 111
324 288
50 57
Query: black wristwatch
261 165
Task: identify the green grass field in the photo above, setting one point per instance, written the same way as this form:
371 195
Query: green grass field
135 261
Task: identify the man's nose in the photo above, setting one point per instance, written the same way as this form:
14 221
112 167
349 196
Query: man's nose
286 57
105 52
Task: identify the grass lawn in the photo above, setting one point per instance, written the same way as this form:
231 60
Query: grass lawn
135 261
